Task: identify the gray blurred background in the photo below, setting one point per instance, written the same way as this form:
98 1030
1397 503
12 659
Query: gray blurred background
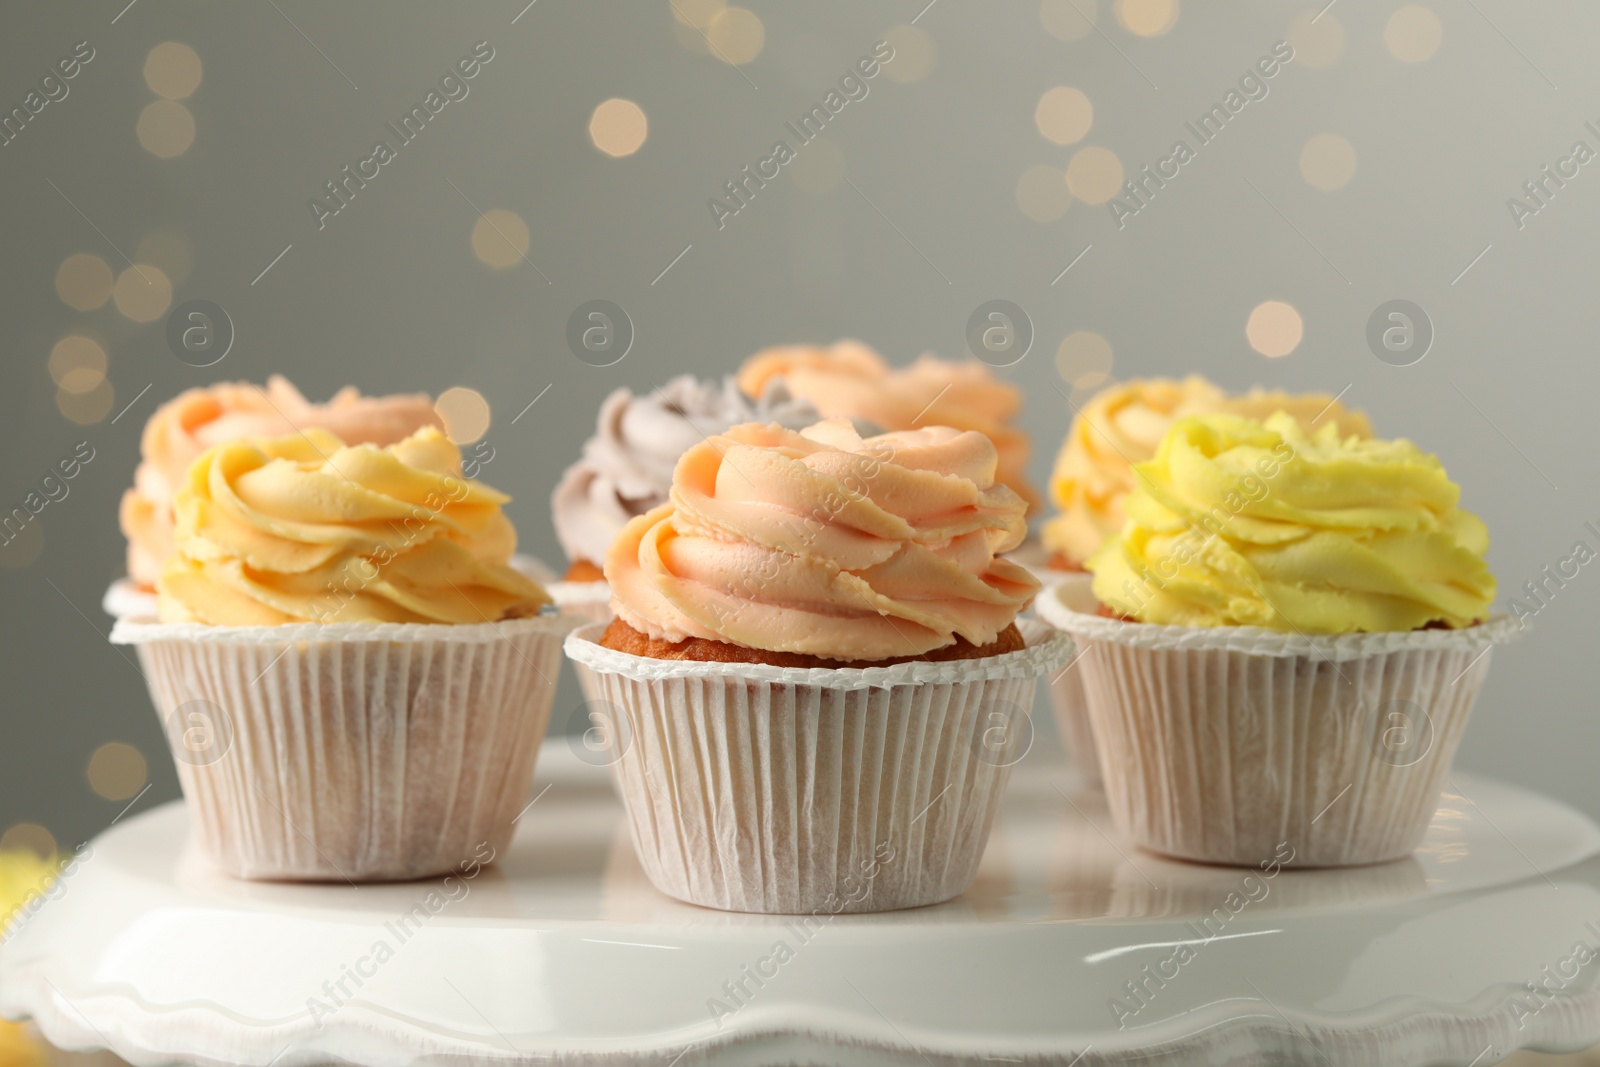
1377 167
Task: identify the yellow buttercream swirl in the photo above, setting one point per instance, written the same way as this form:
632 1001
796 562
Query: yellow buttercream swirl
1242 523
826 544
304 528
1123 424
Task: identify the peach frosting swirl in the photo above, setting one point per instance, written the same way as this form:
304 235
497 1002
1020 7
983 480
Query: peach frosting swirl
824 543
848 380
304 528
1123 424
197 419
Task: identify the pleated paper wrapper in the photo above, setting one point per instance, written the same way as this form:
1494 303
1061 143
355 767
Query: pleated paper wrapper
348 752
812 790
1224 744
1067 698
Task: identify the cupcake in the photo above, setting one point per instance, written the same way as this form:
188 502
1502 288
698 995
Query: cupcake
849 380
1118 427
818 661
1290 634
354 681
198 419
626 468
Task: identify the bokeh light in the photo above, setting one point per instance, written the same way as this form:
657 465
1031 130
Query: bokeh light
83 281
165 128
1147 18
75 356
465 414
88 407
819 168
736 35
168 250
1328 162
1068 20
143 292
1064 115
1274 328
500 238
1042 193
1413 34
24 548
618 127
696 13
172 70
1094 175
914 53
1317 44
1084 359
117 771
29 837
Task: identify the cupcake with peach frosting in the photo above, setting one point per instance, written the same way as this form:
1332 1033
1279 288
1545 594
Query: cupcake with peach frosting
354 680
184 427
849 380
816 668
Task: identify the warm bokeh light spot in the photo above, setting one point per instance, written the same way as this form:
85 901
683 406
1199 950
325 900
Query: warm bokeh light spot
737 35
1068 20
165 129
117 771
1094 175
1274 328
29 837
1328 162
465 413
168 250
1413 34
1147 18
172 70
76 354
23 550
83 281
618 127
1042 193
1064 115
696 13
1084 359
914 53
1318 44
819 168
500 238
86 408
143 292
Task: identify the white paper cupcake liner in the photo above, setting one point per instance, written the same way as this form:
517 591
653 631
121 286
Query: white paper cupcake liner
813 790
349 752
589 601
125 599
1224 744
1066 688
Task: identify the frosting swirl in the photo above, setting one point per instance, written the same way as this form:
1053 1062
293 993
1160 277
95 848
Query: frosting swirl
626 468
1123 424
849 380
827 544
1242 523
306 529
197 419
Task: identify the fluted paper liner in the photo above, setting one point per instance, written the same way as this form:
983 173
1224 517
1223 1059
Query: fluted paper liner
1222 744
590 601
1067 698
812 790
347 752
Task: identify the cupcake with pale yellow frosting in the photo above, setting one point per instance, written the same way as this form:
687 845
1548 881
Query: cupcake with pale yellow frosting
354 679
813 626
1290 631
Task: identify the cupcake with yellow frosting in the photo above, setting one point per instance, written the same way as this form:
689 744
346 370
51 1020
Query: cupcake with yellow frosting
821 678
1290 631
354 679
1119 427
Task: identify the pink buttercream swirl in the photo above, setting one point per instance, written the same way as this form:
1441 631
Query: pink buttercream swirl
195 420
824 543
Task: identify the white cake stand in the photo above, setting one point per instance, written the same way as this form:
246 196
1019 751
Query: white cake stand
562 953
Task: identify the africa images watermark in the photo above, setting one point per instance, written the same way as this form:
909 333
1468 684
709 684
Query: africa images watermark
53 89
1543 187
1140 190
852 87
1553 577
453 87
51 490
54 887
